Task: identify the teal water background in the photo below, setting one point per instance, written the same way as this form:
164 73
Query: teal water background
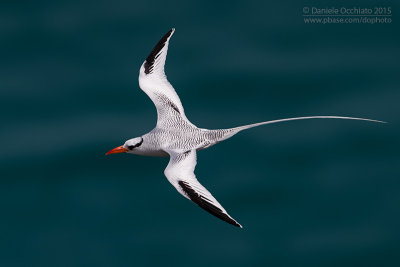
308 193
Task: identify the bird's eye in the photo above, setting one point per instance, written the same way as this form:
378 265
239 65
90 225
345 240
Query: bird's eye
137 145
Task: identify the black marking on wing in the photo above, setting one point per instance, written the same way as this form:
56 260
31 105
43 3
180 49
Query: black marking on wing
173 106
203 203
167 101
149 63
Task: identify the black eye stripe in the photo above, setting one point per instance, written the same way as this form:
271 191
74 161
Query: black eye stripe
137 145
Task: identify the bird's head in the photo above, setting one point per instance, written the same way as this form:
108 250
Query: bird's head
128 147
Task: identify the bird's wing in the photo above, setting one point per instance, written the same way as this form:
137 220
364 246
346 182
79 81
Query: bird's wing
153 81
180 173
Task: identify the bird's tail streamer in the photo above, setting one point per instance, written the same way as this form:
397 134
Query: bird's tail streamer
232 131
240 128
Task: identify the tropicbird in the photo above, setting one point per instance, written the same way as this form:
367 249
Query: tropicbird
175 136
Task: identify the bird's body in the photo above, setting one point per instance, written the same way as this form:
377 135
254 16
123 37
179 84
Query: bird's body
175 136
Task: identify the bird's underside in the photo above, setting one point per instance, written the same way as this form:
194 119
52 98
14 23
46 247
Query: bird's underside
175 136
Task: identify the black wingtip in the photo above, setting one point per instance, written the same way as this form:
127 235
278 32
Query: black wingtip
201 202
148 65
237 225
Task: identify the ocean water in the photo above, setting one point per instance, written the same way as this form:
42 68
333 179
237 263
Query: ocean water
308 193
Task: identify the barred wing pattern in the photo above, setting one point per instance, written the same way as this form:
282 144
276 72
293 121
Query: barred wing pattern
153 81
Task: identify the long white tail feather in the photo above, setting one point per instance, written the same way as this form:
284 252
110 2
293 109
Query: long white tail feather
231 132
240 128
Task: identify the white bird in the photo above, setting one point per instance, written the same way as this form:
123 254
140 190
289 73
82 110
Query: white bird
175 136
